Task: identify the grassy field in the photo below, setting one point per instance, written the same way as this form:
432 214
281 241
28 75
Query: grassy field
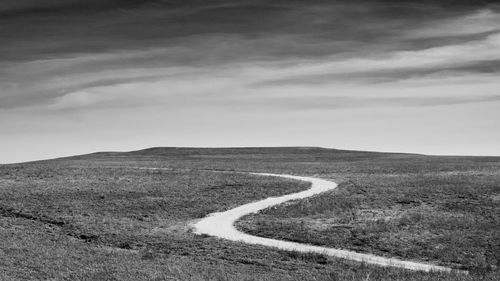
100 217
447 217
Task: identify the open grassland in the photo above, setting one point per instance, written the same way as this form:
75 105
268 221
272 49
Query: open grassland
451 220
124 207
99 217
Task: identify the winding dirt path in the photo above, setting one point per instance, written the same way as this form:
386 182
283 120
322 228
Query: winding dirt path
221 224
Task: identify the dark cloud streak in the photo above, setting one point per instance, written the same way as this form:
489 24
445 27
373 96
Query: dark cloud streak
387 76
62 27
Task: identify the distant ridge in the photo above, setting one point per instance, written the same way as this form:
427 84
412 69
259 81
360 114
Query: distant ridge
291 153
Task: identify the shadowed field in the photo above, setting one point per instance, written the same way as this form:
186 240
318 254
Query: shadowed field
98 217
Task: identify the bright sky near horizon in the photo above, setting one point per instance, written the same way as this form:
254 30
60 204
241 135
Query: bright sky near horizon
79 76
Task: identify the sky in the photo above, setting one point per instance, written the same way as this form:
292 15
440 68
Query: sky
79 76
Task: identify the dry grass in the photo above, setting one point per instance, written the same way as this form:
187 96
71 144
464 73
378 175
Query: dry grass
95 217
425 213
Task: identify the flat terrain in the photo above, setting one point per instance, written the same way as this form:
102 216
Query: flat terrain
446 213
101 217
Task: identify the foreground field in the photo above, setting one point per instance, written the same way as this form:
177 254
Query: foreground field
99 217
447 218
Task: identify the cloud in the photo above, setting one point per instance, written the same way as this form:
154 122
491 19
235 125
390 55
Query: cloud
118 83
447 60
481 21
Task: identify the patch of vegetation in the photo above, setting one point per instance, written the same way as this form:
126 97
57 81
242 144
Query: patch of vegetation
307 256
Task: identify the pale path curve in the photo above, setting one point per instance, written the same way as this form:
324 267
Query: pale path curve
221 224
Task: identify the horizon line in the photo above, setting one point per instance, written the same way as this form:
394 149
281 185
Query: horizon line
55 157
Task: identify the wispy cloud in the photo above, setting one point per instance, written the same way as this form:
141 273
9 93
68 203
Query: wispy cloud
481 21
